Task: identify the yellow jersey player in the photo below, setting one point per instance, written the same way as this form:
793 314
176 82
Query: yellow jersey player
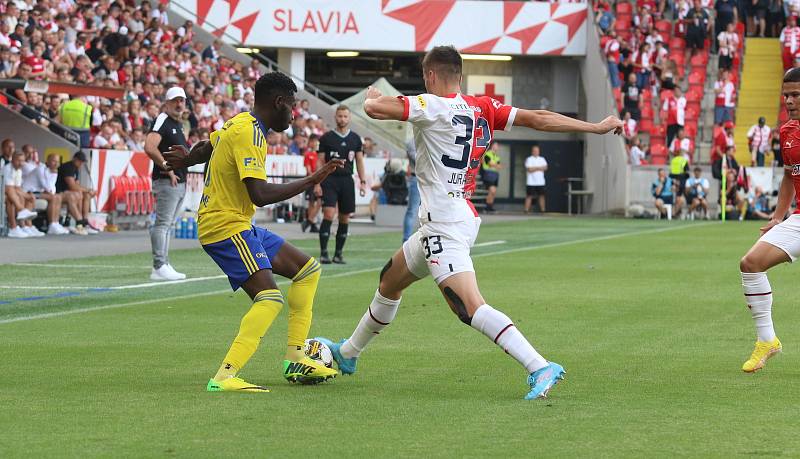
235 182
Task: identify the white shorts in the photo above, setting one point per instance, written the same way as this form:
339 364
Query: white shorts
785 236
441 249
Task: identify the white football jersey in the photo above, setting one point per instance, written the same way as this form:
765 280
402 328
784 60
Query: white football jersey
451 135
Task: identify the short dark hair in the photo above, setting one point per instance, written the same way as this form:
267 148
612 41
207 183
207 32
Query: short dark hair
273 84
444 61
313 137
792 76
697 169
342 108
80 156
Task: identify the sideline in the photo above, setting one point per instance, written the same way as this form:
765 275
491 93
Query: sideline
352 273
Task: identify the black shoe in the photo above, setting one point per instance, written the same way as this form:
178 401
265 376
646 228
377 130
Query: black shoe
304 225
314 228
339 260
325 259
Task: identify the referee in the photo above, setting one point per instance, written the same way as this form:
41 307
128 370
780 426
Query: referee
169 186
338 188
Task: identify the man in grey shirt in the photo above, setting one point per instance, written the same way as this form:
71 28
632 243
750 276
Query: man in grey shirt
169 186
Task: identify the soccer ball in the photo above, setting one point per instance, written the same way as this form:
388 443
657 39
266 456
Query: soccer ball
319 351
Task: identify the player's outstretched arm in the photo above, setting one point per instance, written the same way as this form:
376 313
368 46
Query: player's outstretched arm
380 107
178 157
543 120
262 192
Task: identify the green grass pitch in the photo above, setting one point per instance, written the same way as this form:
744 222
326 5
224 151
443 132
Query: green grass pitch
647 317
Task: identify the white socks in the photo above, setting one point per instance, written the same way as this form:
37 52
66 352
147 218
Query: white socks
758 294
380 313
499 328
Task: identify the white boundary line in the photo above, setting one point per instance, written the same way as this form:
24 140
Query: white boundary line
65 265
487 243
350 273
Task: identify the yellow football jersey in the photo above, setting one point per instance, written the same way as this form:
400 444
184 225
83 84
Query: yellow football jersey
239 153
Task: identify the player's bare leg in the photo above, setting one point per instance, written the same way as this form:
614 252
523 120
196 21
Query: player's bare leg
465 300
758 294
394 278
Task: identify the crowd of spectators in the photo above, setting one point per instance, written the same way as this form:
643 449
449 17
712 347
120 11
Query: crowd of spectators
132 46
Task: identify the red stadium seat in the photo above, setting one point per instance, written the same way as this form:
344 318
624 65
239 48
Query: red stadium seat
661 141
693 112
740 27
658 151
677 44
694 94
647 96
658 160
690 129
697 77
678 57
645 125
624 21
658 130
664 26
647 111
699 60
624 7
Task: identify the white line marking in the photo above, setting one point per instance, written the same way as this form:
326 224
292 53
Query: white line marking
349 273
65 265
157 283
484 244
49 287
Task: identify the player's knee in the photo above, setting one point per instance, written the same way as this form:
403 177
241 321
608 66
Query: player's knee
457 305
748 264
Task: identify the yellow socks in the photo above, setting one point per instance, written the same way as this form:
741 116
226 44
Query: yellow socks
301 300
266 306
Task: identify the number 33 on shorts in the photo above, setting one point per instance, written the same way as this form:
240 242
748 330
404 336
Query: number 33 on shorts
432 245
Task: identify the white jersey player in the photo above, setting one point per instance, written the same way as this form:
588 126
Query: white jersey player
451 133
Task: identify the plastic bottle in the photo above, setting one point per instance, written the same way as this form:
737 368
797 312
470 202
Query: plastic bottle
184 227
191 229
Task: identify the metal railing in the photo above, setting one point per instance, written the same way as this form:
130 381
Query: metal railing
53 126
271 65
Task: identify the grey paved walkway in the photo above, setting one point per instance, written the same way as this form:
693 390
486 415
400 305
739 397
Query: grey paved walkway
59 247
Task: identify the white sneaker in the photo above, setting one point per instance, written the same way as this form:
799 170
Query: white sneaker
164 274
18 233
78 230
55 229
176 273
32 231
26 214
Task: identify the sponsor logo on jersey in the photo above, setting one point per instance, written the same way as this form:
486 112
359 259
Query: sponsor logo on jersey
249 160
795 169
789 143
422 103
261 255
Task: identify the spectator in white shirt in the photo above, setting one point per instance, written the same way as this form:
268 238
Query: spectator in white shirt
758 140
41 182
637 152
697 192
728 46
18 203
535 167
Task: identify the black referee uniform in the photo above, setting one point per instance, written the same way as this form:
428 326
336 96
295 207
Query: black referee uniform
339 188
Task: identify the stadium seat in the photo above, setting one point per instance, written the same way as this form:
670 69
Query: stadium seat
678 57
664 26
658 130
693 111
699 60
697 77
677 44
690 129
647 111
694 94
624 21
624 8
645 125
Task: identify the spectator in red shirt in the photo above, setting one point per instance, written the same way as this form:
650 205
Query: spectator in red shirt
311 162
722 141
37 63
675 107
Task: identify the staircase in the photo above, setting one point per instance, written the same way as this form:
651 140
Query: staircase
759 93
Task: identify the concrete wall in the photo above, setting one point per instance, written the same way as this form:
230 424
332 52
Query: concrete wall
24 131
606 171
535 79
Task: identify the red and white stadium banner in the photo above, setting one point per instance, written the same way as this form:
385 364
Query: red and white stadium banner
105 164
525 28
